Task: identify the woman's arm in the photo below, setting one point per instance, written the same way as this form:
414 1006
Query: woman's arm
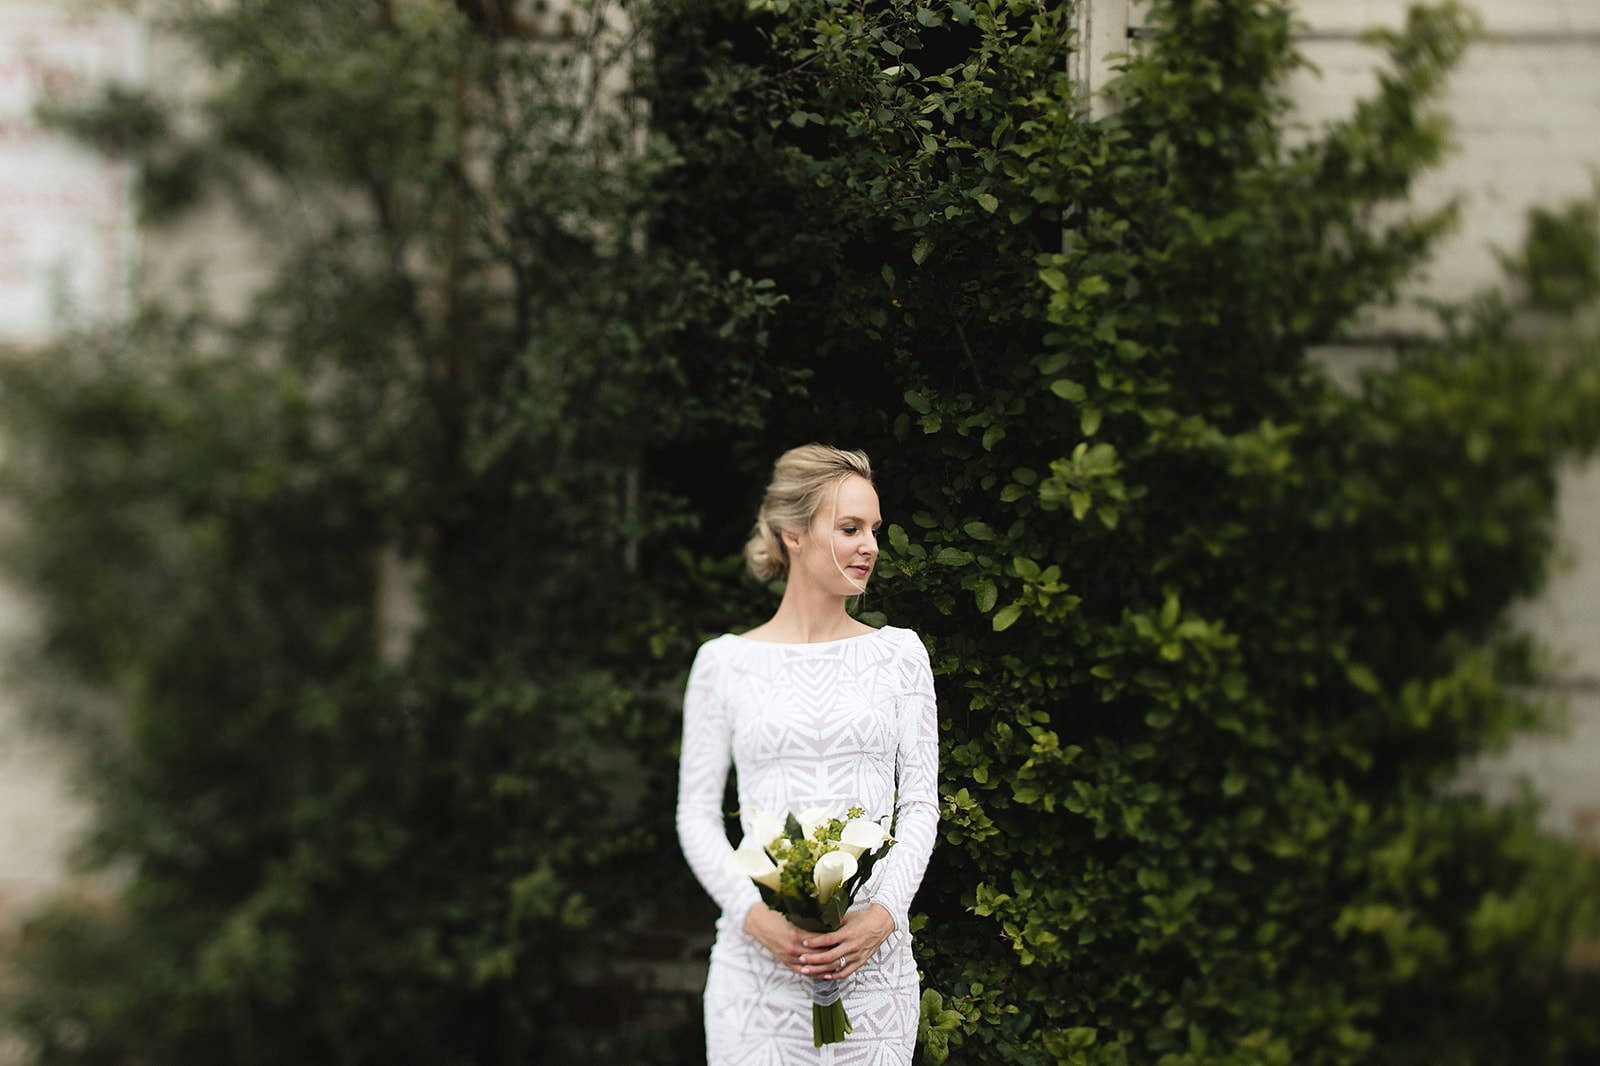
702 780
897 876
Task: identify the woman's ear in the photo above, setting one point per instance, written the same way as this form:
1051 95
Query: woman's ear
791 540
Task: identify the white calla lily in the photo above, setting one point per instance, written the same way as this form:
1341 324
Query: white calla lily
861 835
765 827
831 871
752 862
812 817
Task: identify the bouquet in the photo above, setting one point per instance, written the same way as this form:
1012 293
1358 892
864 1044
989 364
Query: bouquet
808 869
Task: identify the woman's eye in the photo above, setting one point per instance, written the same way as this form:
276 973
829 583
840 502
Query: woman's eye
850 531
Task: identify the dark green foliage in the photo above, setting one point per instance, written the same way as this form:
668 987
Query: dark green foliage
1213 635
337 853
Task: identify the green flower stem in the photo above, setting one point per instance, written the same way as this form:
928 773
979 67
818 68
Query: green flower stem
829 1024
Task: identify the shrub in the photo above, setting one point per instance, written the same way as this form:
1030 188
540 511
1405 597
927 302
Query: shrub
1213 635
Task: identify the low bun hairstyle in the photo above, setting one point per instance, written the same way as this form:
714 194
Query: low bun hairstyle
800 479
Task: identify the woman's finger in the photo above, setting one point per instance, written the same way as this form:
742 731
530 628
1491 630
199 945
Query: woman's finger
819 965
824 941
851 963
849 949
836 955
791 958
841 961
823 955
854 954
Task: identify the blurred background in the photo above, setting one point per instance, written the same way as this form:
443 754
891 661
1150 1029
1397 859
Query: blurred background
340 198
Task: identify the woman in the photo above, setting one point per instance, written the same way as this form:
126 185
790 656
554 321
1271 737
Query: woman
812 708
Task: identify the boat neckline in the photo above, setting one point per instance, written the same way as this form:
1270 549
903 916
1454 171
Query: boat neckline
806 644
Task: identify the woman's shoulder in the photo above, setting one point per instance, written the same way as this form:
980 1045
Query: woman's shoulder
905 641
731 644
717 645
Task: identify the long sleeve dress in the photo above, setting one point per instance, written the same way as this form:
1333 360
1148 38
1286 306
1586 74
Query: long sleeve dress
841 723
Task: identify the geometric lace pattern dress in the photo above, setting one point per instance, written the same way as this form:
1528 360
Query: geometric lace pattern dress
835 724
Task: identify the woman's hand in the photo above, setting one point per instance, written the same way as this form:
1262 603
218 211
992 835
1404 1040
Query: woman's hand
777 934
835 956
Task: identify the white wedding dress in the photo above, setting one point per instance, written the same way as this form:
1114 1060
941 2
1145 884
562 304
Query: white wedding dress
836 723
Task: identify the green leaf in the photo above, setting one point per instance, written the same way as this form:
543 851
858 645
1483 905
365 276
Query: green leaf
984 595
1006 616
953 557
921 250
1170 612
1363 678
978 531
1053 278
988 202
1068 390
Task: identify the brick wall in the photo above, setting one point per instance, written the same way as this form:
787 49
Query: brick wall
1525 106
1525 109
38 813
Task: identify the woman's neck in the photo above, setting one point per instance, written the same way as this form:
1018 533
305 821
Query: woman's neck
809 617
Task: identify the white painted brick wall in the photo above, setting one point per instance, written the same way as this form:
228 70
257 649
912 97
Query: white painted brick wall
1526 128
1525 109
1525 106
1498 16
39 813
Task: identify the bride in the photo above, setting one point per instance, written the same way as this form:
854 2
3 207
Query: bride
812 708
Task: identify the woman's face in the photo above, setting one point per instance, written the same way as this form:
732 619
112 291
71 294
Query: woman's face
840 549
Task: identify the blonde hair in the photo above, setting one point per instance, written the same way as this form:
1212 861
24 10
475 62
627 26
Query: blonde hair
800 479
